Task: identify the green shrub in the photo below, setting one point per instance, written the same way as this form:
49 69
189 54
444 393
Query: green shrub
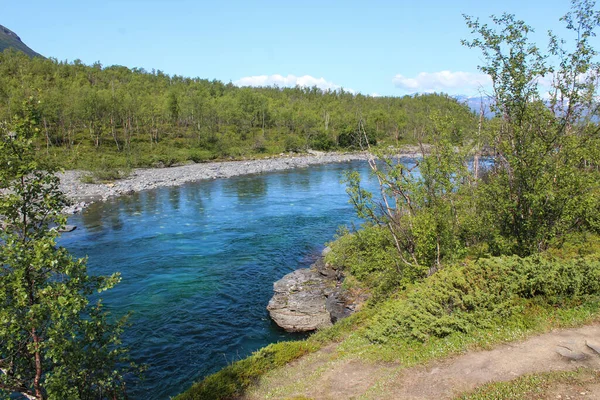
352 139
322 141
87 178
199 156
369 255
482 294
293 143
105 174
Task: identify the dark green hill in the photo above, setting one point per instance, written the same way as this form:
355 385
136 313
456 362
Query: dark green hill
10 39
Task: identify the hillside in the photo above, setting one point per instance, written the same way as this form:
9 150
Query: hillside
115 117
10 39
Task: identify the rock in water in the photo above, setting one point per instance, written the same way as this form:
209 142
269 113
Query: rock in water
68 228
299 302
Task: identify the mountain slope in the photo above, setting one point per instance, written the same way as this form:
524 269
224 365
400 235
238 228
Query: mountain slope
10 39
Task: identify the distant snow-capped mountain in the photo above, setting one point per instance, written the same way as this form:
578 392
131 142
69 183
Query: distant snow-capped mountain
475 103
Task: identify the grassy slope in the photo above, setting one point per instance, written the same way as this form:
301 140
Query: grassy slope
9 39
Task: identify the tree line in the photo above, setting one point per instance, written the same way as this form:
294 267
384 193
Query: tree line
139 118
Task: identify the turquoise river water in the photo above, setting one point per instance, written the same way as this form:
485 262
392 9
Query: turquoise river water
198 264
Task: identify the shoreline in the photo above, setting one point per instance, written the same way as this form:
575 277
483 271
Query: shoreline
140 179
84 194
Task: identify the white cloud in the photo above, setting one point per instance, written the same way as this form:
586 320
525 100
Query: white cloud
443 81
288 81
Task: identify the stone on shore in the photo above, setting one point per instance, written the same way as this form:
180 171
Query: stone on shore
299 302
310 298
570 354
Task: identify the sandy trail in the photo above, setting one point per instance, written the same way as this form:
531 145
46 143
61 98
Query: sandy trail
321 376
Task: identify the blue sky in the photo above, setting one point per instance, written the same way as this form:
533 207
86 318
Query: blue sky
372 47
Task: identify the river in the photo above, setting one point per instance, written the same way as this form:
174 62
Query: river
198 263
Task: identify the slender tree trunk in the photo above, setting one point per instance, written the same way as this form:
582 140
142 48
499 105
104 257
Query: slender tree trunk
478 145
47 135
38 366
114 133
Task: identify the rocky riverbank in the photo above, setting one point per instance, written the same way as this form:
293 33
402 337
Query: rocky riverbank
83 194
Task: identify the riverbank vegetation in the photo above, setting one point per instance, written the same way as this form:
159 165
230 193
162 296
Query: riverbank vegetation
110 119
492 236
467 252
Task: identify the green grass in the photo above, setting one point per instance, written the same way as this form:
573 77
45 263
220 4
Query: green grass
535 386
234 378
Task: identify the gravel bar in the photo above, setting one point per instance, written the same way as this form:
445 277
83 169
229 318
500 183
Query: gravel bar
83 194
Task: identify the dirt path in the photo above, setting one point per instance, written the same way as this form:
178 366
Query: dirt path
321 376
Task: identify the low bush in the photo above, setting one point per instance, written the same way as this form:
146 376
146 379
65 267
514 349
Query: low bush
105 173
200 155
293 143
483 294
369 256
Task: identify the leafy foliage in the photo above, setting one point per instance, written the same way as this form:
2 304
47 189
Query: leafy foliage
421 210
53 343
544 180
369 255
482 294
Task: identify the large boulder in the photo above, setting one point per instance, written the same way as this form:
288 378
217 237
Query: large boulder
309 299
298 304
